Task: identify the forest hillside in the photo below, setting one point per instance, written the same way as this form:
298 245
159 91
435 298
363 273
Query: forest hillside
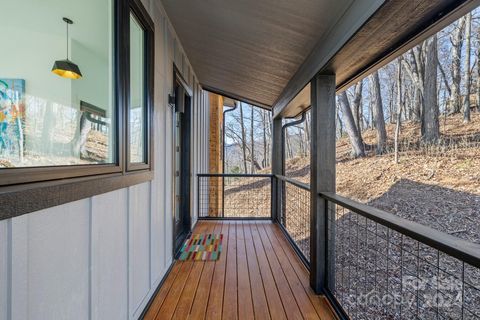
436 185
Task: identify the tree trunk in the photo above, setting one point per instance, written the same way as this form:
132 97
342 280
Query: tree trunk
430 125
306 127
244 140
340 125
378 116
478 70
399 107
289 153
468 36
252 142
415 68
457 42
356 141
357 105
265 153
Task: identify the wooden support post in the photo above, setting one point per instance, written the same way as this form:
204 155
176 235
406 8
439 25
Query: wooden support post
322 178
276 166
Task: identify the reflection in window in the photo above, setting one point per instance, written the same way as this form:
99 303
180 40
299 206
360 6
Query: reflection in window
137 99
47 120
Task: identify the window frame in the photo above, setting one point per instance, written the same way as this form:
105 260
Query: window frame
29 189
136 8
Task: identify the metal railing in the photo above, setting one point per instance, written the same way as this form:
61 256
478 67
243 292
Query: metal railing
386 267
295 214
244 196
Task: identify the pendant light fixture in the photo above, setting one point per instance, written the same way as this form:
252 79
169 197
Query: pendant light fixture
66 68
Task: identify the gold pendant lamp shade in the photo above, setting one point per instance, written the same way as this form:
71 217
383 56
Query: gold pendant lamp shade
66 68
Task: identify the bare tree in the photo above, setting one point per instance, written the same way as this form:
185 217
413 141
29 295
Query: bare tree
478 69
306 128
430 125
415 68
252 142
468 36
265 161
356 141
399 106
456 40
378 116
244 140
357 106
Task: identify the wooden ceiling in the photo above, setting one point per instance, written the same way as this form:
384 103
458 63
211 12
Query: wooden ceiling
266 51
250 48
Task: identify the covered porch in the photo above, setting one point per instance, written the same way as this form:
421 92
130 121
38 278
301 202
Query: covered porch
93 230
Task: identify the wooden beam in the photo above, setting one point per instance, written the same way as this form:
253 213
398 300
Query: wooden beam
277 166
322 175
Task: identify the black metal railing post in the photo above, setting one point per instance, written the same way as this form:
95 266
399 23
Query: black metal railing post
223 196
198 198
273 198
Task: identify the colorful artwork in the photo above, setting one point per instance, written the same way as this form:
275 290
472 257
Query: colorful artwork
12 119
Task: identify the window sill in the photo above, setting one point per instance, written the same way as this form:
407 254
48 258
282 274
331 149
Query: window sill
21 199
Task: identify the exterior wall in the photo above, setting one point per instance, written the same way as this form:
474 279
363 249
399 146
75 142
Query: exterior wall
103 257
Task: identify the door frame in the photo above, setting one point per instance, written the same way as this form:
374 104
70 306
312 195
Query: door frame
185 205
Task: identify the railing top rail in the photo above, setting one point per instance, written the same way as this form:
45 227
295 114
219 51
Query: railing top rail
463 250
294 182
234 175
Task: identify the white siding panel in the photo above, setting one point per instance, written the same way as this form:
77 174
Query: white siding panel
160 52
158 259
4 288
169 192
109 256
58 262
139 244
19 267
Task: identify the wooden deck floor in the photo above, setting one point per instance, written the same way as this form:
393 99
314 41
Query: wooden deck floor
258 276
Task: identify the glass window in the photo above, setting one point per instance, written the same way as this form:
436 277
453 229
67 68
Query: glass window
137 111
56 103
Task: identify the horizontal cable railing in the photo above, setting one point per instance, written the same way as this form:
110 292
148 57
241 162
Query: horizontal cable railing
235 196
386 267
295 214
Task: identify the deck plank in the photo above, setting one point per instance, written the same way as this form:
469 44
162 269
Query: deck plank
199 307
188 294
215 301
288 299
170 303
257 275
245 303
162 293
303 301
319 302
259 298
231 288
275 304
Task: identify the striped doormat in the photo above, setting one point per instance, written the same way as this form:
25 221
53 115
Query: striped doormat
202 247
